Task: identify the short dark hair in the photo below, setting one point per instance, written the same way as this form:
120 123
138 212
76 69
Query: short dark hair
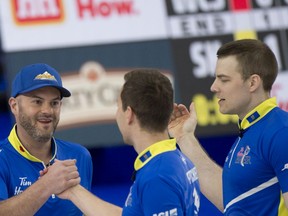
254 57
150 95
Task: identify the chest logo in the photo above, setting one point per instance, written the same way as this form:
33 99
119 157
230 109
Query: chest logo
285 167
23 184
243 157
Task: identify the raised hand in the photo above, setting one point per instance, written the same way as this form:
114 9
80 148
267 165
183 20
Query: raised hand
182 121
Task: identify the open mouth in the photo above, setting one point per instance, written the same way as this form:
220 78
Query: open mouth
45 121
221 100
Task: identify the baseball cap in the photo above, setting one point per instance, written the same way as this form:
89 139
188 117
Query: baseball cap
35 76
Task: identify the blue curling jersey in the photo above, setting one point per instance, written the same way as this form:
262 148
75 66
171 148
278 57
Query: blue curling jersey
19 169
166 183
255 173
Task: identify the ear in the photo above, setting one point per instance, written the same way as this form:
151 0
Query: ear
129 115
255 82
13 103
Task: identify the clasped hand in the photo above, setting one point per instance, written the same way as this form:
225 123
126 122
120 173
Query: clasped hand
60 176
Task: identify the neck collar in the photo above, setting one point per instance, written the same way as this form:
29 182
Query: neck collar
17 145
157 148
257 113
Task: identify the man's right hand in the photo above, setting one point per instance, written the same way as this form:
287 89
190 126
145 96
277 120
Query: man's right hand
61 176
182 121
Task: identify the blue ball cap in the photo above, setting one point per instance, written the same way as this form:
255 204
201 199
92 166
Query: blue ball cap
35 76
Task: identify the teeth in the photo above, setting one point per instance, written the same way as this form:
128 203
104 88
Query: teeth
44 120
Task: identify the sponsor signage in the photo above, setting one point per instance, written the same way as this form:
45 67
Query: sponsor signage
46 24
94 95
36 12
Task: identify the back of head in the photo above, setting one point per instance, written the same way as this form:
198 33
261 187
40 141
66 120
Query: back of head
150 95
254 57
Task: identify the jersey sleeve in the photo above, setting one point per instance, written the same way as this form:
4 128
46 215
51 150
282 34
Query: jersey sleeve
3 186
86 167
89 170
161 198
279 157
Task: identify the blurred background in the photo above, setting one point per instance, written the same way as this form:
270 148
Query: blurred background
93 43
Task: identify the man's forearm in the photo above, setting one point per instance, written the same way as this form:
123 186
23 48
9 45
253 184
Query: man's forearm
26 203
92 205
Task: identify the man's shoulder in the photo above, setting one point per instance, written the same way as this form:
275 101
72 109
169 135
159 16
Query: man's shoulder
169 163
7 152
280 113
5 145
71 146
278 120
4 141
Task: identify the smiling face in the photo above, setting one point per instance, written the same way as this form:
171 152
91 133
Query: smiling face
37 113
230 88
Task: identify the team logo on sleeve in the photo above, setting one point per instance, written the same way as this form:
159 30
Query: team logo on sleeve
192 175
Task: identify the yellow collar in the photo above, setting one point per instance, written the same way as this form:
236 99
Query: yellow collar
157 148
15 142
257 113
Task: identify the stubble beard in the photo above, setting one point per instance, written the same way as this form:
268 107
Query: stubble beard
36 133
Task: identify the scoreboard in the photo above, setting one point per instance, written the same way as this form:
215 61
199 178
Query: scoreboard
199 27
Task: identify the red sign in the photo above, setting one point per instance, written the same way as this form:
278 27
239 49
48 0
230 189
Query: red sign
104 8
28 12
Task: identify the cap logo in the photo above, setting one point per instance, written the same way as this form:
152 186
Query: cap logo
45 76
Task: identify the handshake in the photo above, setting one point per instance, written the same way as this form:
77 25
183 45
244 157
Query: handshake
60 178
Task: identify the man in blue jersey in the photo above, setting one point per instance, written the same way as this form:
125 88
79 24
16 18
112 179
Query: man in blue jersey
165 181
255 175
35 101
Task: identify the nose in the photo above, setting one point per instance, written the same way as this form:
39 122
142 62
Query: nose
46 107
213 87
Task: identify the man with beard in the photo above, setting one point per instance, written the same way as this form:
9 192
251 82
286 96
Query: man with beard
35 102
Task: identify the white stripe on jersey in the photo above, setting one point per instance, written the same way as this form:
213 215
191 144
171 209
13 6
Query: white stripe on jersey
252 191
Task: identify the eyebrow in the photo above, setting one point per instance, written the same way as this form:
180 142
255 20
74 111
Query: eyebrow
222 76
36 96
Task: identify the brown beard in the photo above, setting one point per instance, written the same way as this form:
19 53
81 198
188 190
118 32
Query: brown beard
32 130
